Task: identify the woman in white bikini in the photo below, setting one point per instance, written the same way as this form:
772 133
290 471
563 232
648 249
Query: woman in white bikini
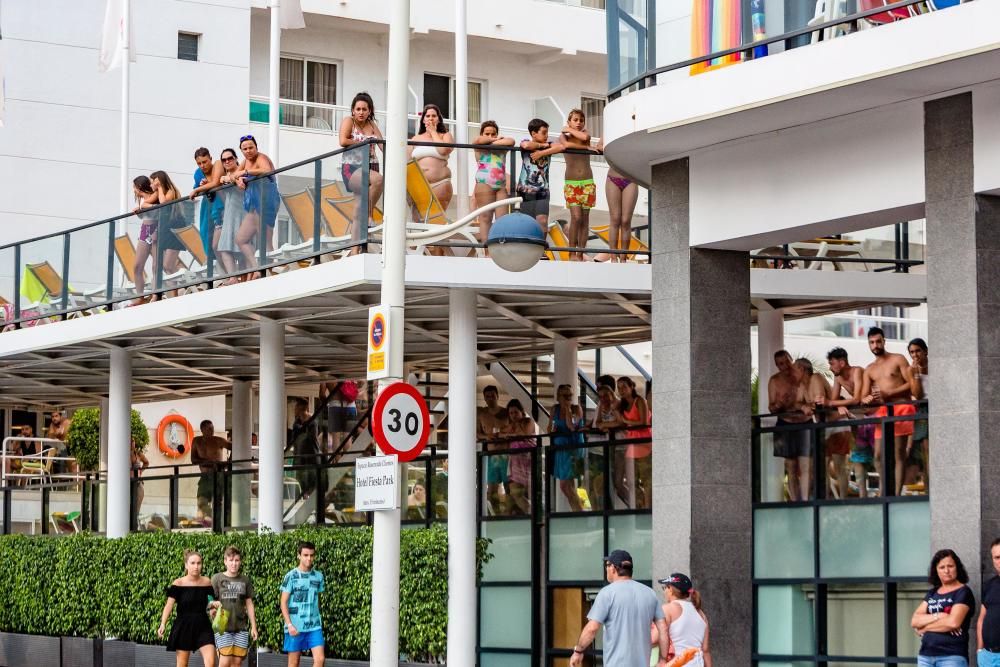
433 160
359 127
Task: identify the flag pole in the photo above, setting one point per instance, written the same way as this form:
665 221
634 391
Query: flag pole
126 56
273 74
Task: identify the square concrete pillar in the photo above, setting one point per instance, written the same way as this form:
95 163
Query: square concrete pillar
701 416
963 298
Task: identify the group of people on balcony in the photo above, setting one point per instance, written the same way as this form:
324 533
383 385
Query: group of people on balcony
799 395
577 470
233 223
229 219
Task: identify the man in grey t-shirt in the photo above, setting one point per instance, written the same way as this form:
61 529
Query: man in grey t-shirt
626 609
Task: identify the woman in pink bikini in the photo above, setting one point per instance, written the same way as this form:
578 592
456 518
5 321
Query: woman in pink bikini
359 127
622 196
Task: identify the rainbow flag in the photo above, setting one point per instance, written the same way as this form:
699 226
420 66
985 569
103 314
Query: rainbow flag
716 25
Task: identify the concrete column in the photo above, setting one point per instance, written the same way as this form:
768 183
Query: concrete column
240 431
963 274
119 437
271 438
102 494
770 339
701 425
462 361
565 364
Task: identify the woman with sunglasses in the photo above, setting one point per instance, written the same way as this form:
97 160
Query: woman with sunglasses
260 199
358 128
225 244
687 625
919 385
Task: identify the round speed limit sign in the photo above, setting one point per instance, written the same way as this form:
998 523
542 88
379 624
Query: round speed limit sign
401 423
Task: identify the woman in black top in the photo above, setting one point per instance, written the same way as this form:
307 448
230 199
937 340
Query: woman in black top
192 629
942 620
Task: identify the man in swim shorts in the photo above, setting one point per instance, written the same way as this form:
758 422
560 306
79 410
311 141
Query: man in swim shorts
887 380
786 397
579 191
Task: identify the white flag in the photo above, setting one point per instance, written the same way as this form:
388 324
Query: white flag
290 15
113 37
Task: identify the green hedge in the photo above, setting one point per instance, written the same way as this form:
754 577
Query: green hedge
87 585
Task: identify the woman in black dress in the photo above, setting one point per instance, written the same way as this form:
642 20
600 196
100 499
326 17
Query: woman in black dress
192 629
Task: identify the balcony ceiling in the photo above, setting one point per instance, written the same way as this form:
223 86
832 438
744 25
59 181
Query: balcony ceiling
196 344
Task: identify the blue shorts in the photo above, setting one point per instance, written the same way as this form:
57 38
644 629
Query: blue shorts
303 641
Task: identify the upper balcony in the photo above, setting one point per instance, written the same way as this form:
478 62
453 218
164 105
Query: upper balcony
690 79
567 26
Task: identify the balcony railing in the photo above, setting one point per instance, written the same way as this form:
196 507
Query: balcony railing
297 215
876 451
637 61
524 477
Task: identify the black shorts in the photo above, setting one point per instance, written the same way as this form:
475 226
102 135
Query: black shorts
792 444
534 205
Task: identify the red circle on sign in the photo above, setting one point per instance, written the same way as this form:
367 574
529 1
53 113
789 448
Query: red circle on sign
387 427
377 332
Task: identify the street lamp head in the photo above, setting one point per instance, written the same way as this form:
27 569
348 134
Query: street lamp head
516 242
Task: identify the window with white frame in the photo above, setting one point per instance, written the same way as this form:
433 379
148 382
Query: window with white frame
312 82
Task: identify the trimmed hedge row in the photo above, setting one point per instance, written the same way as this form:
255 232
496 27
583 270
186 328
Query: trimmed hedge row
85 585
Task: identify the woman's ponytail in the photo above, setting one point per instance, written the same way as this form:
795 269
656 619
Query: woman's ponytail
695 598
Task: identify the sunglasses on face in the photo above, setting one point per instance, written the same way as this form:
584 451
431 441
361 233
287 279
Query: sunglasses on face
229 159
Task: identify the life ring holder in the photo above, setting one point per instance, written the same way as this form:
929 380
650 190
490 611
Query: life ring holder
161 435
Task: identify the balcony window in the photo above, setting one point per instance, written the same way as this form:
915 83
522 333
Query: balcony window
312 82
593 109
440 90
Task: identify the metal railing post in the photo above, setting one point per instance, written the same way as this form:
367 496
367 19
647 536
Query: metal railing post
133 504
216 500
160 237
889 453
227 490
110 293
44 519
6 510
318 204
366 205
17 282
84 505
65 273
172 490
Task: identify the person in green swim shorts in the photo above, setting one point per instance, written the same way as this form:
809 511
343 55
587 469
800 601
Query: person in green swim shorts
579 191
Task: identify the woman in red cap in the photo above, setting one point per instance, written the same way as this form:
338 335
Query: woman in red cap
687 624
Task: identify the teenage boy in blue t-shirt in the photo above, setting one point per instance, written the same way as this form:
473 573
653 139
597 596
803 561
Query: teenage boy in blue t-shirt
300 591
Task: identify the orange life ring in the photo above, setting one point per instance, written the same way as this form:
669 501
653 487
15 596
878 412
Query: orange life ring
174 435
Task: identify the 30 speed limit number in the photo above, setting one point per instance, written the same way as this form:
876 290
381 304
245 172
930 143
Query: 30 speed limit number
401 423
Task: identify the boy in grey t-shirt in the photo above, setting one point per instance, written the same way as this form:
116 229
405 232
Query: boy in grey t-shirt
626 609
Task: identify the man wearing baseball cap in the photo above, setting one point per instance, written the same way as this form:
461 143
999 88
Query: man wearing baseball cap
626 609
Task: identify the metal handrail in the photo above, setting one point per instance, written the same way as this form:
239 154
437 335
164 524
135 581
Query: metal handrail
649 76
